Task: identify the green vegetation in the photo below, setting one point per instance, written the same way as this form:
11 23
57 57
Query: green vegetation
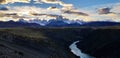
24 32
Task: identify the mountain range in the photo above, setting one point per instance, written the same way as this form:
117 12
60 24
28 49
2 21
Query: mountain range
58 22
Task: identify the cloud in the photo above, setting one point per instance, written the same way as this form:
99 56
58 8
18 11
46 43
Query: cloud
104 10
54 2
49 1
2 1
12 1
10 14
58 2
105 17
52 8
4 8
76 12
66 5
116 9
28 13
52 15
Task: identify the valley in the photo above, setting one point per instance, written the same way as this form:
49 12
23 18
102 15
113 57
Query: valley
55 42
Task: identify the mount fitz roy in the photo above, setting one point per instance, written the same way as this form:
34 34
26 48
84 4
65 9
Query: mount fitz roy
58 22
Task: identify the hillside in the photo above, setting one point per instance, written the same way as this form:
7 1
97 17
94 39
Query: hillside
52 42
102 42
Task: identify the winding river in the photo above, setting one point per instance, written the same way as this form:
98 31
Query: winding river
77 51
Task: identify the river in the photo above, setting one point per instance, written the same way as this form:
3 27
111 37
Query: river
77 51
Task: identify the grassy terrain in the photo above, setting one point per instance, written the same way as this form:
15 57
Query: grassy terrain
52 41
101 42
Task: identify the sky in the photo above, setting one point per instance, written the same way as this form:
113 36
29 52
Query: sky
86 10
87 3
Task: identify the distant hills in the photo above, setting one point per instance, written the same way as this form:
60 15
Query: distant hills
101 23
10 24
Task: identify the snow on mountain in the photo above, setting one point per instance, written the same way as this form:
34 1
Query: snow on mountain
60 22
52 22
40 22
22 21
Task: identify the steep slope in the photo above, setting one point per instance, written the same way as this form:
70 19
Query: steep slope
102 43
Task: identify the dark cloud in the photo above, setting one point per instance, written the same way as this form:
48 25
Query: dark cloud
2 1
53 7
10 14
104 11
75 12
12 1
36 14
13 15
51 15
4 8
